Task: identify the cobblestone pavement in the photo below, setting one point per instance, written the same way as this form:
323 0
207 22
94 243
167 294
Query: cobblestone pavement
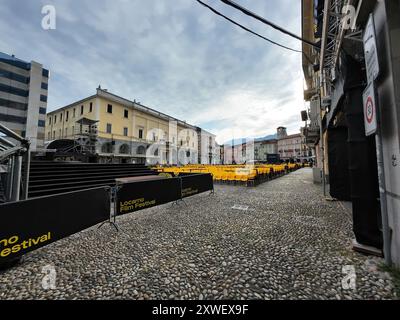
289 244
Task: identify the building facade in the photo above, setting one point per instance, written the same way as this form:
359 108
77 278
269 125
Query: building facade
292 147
265 150
359 167
23 98
121 130
250 151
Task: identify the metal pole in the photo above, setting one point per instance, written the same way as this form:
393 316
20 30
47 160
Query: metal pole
7 142
26 173
10 174
383 198
10 133
321 146
16 183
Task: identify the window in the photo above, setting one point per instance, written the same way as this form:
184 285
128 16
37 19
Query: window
108 129
66 116
44 86
141 150
13 104
49 120
109 108
126 113
125 132
140 133
41 123
13 76
49 135
60 134
73 130
61 117
81 109
73 113
42 110
43 98
91 107
12 118
12 90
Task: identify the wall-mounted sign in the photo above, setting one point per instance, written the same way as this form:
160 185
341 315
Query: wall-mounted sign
369 108
370 50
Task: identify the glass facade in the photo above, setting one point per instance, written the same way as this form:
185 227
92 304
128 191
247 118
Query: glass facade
12 90
14 105
13 76
12 118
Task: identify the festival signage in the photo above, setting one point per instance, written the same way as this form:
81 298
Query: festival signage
30 224
144 194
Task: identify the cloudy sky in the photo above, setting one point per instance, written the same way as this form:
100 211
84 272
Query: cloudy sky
174 56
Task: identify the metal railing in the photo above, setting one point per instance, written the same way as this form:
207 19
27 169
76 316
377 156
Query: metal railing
12 155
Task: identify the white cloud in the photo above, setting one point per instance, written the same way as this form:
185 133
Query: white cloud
176 56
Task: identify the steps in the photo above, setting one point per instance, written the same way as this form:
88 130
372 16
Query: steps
47 178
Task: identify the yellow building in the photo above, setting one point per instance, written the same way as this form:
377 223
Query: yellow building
120 130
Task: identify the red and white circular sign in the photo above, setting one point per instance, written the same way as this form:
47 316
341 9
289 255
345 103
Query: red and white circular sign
369 110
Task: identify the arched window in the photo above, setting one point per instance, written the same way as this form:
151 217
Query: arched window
124 149
141 150
107 147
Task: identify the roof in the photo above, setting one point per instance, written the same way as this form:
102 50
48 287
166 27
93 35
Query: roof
4 57
8 57
291 136
12 60
111 96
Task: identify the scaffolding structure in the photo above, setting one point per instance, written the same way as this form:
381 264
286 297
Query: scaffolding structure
14 156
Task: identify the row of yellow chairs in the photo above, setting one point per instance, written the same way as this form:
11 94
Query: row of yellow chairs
232 173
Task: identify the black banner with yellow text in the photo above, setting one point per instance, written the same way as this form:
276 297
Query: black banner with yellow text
140 195
30 224
196 183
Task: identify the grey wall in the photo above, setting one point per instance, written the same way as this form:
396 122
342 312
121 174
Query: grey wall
388 85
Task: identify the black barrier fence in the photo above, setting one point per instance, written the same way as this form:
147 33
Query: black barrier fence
135 196
30 224
140 195
196 183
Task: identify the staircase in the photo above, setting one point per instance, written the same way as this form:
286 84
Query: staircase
47 178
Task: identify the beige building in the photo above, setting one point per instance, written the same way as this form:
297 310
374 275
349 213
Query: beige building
115 129
292 147
264 149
